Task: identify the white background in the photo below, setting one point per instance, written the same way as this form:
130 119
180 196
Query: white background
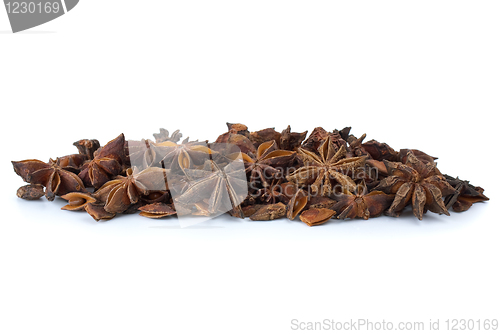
420 74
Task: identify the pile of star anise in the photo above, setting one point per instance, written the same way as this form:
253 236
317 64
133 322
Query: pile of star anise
263 175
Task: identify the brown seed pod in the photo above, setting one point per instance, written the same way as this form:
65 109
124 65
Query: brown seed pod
30 192
296 204
97 211
270 212
77 201
314 217
156 210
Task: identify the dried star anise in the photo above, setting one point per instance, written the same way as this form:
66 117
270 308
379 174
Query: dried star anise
141 154
422 156
356 148
158 196
181 156
262 174
465 194
264 166
77 201
418 182
320 170
379 151
296 204
97 211
237 143
344 133
87 147
362 204
119 194
319 202
290 141
276 192
313 217
233 128
157 210
107 163
250 209
223 189
265 135
238 128
55 179
319 135
72 163
164 136
270 212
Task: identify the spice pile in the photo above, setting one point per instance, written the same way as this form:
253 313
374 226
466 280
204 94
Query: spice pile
263 175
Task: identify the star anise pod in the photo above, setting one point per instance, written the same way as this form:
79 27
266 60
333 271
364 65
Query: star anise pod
290 141
297 203
178 157
238 128
319 202
164 136
107 163
119 194
418 182
319 135
320 170
276 192
96 211
344 133
465 194
422 156
263 136
270 212
72 163
249 210
267 165
378 166
233 128
380 151
87 147
362 204
77 201
223 189
198 209
356 148
141 154
313 217
232 142
157 210
158 196
55 179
